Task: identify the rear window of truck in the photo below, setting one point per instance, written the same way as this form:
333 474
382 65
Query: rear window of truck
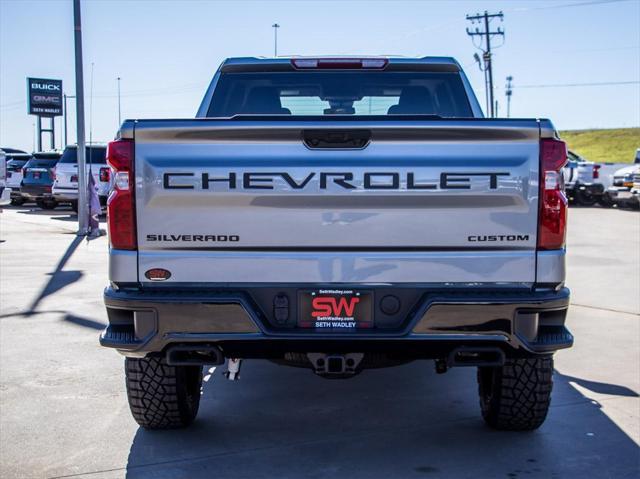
41 163
16 165
95 155
340 93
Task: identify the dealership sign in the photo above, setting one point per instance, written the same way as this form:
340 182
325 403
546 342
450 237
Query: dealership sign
45 97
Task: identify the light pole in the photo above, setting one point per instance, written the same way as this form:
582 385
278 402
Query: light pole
275 39
64 119
83 207
508 92
119 118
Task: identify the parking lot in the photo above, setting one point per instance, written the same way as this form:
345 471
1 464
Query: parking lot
64 410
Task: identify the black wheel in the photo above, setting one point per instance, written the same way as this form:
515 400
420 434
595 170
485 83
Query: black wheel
585 199
47 204
17 201
606 201
162 396
516 396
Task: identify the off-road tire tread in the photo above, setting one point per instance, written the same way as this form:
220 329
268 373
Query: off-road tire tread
521 394
160 396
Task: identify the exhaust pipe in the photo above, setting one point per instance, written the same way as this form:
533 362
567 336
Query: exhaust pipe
194 355
479 357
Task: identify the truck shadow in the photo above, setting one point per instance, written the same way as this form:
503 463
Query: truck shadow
399 422
60 213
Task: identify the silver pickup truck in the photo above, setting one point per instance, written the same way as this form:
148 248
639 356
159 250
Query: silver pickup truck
337 214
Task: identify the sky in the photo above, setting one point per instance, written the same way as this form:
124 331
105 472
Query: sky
167 51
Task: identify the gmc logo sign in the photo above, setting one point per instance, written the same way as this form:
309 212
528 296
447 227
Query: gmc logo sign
330 306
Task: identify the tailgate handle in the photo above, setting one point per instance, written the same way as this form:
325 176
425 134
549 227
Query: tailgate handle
336 139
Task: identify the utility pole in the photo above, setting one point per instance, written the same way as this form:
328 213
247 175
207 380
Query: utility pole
485 19
83 206
476 57
508 92
64 120
119 117
39 133
275 39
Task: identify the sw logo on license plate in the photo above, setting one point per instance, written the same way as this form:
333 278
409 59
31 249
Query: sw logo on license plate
335 309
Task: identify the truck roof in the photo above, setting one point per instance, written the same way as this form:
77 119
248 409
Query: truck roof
396 63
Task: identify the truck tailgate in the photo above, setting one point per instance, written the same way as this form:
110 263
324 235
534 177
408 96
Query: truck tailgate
260 201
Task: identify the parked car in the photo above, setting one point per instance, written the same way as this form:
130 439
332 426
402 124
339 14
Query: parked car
620 192
65 184
15 164
5 192
12 151
635 188
581 180
337 215
37 179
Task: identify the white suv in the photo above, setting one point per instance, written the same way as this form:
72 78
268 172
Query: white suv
65 185
5 193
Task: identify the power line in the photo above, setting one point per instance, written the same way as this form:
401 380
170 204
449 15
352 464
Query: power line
12 103
485 19
569 5
563 85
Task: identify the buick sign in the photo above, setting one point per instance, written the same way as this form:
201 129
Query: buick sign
44 97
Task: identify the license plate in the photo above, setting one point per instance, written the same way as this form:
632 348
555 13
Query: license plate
36 175
335 309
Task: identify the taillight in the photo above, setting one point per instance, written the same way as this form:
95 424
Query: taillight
24 172
552 221
52 173
104 174
121 214
596 171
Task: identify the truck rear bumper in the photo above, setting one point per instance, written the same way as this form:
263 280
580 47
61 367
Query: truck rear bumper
146 322
621 193
594 189
36 192
5 195
65 194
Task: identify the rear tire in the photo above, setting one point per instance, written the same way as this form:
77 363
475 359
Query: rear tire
162 396
47 204
516 396
606 201
585 199
17 201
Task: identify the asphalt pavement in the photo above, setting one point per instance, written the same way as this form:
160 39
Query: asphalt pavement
64 413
